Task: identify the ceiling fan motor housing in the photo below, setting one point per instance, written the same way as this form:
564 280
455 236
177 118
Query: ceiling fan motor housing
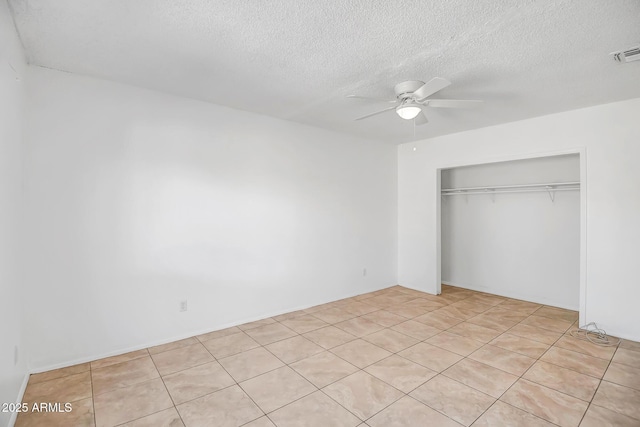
405 90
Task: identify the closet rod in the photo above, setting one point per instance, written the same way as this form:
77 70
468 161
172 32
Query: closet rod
497 187
489 191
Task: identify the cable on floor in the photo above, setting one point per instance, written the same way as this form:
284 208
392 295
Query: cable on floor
590 332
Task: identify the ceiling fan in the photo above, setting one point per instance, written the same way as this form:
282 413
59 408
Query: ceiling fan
413 96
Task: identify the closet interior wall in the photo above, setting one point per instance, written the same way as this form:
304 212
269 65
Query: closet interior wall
519 244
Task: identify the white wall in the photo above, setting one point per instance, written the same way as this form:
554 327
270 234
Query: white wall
520 245
609 135
137 200
11 116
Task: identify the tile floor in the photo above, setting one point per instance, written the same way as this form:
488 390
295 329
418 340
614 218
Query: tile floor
395 357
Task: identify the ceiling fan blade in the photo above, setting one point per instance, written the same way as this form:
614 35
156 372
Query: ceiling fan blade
429 88
421 119
376 113
367 98
453 103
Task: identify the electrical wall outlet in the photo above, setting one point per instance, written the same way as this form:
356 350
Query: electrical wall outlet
15 355
183 305
364 271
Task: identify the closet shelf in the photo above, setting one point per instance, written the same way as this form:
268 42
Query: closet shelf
550 187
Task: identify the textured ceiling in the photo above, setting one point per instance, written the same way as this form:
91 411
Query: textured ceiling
297 60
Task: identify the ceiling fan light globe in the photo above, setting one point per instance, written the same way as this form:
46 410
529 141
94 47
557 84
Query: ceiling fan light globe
408 112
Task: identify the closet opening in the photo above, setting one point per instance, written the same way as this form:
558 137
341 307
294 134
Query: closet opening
515 228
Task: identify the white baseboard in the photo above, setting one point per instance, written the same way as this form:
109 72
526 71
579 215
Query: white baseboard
23 387
190 334
514 295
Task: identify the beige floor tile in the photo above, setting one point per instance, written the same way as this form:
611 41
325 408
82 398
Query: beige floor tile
329 337
324 368
564 380
172 345
451 298
381 301
250 363
623 400
504 415
554 325
459 313
123 374
270 333
482 377
167 418
476 332
294 349
196 382
218 334
401 373
576 361
520 345
507 314
230 407
59 373
230 344
127 389
557 313
597 416
101 363
384 318
290 315
314 410
630 345
508 361
408 412
514 304
358 326
627 357
581 346
277 388
475 307
61 390
333 315
432 357
458 344
438 320
360 353
535 334
130 403
304 324
416 330
260 422
492 322
362 394
81 415
488 299
359 308
453 399
551 405
625 375
424 303
401 297
256 324
181 358
391 340
408 312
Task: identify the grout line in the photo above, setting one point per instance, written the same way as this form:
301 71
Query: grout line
93 401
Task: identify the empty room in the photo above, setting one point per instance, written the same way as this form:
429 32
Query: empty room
319 214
